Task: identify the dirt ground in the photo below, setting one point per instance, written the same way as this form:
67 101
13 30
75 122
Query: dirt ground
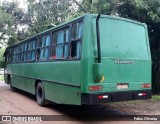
21 103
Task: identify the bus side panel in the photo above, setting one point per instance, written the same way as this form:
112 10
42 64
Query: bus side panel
62 94
24 84
14 81
57 93
61 77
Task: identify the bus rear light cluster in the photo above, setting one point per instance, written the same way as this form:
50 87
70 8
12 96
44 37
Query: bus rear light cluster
146 85
142 94
103 97
95 87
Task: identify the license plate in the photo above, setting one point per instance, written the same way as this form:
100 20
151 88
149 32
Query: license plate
122 86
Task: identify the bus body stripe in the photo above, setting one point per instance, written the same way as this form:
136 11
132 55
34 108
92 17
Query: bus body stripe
63 83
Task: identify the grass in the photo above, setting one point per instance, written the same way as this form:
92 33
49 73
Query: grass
155 98
147 106
1 77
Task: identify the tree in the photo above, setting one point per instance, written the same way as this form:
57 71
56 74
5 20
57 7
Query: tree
41 15
2 50
18 21
48 13
6 22
146 11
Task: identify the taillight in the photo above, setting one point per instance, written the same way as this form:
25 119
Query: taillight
142 94
95 87
146 85
103 97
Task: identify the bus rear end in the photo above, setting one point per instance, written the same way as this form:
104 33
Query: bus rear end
124 70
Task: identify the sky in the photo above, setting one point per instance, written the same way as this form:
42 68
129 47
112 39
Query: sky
23 3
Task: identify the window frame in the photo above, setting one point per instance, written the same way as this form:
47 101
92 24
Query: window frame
54 45
39 48
33 50
76 40
15 53
70 41
50 47
23 52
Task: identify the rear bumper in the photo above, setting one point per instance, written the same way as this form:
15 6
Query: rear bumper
96 98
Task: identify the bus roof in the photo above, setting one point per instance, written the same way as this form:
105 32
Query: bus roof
72 20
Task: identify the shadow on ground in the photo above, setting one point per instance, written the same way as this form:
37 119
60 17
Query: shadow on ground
83 112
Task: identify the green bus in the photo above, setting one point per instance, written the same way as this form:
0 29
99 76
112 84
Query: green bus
91 59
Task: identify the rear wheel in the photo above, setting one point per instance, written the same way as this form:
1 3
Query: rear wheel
40 94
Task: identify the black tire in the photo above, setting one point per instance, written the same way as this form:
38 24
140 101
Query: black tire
9 81
40 94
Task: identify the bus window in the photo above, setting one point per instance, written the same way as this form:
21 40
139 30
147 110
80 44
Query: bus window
76 44
48 40
76 50
7 55
59 47
60 44
20 53
31 50
12 55
43 51
66 40
24 49
16 53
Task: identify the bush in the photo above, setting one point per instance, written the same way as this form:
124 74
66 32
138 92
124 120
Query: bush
2 50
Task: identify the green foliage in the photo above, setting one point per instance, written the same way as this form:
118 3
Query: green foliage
6 22
40 16
2 50
98 6
46 13
146 11
140 10
17 18
12 40
1 79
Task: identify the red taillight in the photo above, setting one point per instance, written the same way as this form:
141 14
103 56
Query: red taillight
100 97
146 85
103 97
142 94
95 87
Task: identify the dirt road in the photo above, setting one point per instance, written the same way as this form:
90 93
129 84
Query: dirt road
21 103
